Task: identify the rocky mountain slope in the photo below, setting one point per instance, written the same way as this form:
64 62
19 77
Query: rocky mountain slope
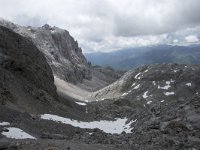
27 91
61 50
160 78
151 107
64 55
164 101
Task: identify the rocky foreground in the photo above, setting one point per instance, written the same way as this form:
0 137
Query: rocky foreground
151 107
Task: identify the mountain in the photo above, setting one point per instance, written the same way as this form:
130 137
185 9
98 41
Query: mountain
64 56
130 58
27 91
61 50
149 107
163 101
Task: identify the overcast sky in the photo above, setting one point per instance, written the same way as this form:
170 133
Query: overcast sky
106 25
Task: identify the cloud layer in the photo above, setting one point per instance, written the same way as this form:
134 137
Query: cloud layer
105 25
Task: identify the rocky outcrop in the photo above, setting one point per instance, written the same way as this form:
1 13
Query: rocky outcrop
162 99
21 57
154 80
61 50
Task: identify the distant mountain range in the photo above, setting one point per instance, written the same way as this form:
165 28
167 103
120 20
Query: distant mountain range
125 59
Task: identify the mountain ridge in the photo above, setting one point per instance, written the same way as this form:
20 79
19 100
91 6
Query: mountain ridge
133 57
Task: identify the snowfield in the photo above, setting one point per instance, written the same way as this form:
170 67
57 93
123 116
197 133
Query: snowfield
4 123
188 84
16 133
169 93
117 126
145 95
81 103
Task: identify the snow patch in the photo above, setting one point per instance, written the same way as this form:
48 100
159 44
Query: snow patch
188 84
117 126
81 103
124 94
133 84
136 87
169 93
145 95
4 123
164 87
154 83
175 71
162 101
138 76
167 82
146 70
16 133
129 91
149 102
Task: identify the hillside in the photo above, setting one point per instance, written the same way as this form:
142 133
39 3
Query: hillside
27 91
163 100
150 107
64 55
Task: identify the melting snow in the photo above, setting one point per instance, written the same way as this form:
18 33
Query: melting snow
117 126
145 94
175 71
149 102
124 94
166 87
136 87
133 85
169 93
4 123
81 103
188 84
129 91
16 133
138 76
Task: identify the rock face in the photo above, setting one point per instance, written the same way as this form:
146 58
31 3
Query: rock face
65 57
21 57
61 50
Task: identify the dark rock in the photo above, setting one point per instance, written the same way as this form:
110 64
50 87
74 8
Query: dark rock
21 57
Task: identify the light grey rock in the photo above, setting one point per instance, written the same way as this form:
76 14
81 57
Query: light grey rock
61 50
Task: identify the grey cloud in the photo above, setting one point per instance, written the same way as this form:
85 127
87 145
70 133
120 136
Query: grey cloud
103 25
158 18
